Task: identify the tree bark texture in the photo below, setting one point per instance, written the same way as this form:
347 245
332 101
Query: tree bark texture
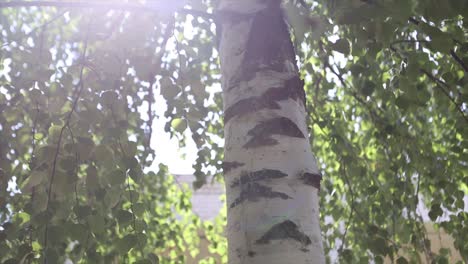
272 180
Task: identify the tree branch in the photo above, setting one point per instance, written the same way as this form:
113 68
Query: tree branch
80 88
441 84
167 34
460 61
105 5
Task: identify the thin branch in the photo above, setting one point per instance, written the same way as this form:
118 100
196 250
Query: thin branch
77 160
131 202
167 34
350 218
59 143
452 51
460 61
407 41
441 84
180 76
182 189
104 5
48 22
414 21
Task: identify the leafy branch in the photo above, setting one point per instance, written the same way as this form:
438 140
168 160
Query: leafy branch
459 60
44 25
59 142
442 85
452 51
167 34
439 83
105 5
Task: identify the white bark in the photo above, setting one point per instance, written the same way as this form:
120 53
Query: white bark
272 180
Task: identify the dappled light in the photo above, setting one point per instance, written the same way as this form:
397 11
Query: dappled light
359 106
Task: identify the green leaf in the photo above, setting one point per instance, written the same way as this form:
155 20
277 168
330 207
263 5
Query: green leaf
168 90
104 155
179 125
139 209
112 197
143 261
402 260
82 211
85 147
124 217
403 102
136 174
435 212
78 232
46 154
342 46
54 133
116 177
153 258
141 240
126 243
92 182
368 88
34 179
37 97
130 162
109 98
96 223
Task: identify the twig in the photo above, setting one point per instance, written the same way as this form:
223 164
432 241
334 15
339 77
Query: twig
441 84
414 21
131 202
167 35
32 163
59 143
457 59
182 189
76 163
407 41
52 20
343 238
180 75
105 5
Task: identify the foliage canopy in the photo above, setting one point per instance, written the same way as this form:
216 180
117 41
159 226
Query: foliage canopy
387 92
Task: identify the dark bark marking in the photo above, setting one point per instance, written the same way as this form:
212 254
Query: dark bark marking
251 253
260 175
285 230
268 45
261 133
254 191
249 105
312 179
227 166
293 88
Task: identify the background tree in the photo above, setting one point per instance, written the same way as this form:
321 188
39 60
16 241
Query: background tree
386 86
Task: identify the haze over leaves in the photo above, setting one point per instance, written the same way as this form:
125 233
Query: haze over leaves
387 93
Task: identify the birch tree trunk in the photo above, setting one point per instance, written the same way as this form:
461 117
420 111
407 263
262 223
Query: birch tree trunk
272 180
